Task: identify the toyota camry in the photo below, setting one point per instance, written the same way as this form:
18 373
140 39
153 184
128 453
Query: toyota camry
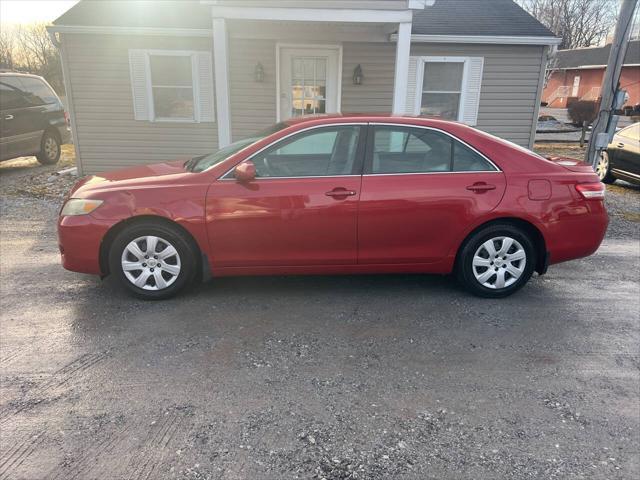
338 195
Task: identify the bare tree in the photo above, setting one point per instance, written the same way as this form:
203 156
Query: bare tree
580 23
28 48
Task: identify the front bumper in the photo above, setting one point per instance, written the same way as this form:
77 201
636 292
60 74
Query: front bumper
79 240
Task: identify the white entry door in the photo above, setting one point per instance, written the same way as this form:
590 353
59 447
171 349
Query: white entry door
309 81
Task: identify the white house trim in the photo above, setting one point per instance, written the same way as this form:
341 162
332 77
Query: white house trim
312 14
485 39
165 32
401 78
221 72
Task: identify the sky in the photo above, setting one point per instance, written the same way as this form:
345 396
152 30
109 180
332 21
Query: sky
29 11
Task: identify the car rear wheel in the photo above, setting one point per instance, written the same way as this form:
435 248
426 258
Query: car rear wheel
496 261
153 261
49 149
603 168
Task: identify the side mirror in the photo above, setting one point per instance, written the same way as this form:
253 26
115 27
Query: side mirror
245 172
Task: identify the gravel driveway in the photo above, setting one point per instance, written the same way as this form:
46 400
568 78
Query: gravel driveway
356 377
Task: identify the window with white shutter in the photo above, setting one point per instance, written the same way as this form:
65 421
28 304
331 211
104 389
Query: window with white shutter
447 87
172 85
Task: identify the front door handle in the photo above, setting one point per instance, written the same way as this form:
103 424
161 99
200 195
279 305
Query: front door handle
340 193
481 187
8 117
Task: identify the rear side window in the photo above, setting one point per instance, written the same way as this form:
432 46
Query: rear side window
399 149
37 92
11 94
632 132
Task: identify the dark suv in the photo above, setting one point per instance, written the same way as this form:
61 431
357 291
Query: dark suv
32 119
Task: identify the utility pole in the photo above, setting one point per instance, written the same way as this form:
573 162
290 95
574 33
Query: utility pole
611 97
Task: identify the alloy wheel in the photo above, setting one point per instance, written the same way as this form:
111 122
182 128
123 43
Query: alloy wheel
151 263
602 167
499 262
51 148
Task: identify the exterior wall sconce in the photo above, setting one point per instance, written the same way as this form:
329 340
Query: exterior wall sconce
357 75
258 73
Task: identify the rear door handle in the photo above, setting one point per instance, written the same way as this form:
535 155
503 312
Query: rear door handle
340 192
620 145
8 117
481 187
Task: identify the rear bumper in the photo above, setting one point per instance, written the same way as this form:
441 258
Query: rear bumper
577 235
79 240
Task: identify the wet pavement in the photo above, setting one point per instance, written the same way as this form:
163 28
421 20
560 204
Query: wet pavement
356 377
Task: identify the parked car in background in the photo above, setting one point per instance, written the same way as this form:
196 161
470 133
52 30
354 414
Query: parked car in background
621 160
338 195
32 118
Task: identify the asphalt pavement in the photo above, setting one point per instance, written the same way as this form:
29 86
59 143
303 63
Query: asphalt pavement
354 377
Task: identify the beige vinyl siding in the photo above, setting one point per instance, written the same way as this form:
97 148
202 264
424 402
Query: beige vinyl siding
108 135
375 94
253 104
509 85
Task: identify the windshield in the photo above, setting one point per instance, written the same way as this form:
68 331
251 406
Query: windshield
199 164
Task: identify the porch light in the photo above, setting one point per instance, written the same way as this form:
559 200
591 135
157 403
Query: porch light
258 73
357 75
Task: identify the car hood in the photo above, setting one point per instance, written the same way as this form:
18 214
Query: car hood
140 176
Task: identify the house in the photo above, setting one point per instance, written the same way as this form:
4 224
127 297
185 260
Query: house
578 74
151 81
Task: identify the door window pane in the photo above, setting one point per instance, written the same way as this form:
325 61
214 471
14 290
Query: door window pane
442 89
172 85
320 152
308 86
410 150
11 94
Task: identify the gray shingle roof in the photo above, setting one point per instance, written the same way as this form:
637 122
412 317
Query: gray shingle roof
581 57
477 18
445 17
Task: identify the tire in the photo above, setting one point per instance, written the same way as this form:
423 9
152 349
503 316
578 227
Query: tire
49 149
173 270
603 169
481 276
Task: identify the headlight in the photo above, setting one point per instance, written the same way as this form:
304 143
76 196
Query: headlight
79 206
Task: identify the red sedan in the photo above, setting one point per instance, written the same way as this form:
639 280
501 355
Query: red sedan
338 195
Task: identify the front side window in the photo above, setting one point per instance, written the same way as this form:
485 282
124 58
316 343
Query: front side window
631 132
319 152
172 86
420 150
442 89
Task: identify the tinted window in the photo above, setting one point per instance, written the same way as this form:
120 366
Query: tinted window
466 160
419 150
37 92
11 94
320 152
410 150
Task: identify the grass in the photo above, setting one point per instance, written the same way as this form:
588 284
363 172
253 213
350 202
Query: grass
570 150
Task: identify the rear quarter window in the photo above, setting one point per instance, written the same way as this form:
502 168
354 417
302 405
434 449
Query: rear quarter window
632 132
37 92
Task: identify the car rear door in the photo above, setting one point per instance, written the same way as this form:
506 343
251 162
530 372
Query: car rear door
300 210
421 188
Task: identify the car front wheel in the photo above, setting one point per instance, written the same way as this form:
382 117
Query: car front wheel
49 149
153 261
496 261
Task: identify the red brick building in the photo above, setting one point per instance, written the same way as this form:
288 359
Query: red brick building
578 74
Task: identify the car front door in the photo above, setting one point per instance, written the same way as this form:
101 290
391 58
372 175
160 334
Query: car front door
421 188
301 209
15 138
627 152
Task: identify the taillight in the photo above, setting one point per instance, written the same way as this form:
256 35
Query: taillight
591 191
